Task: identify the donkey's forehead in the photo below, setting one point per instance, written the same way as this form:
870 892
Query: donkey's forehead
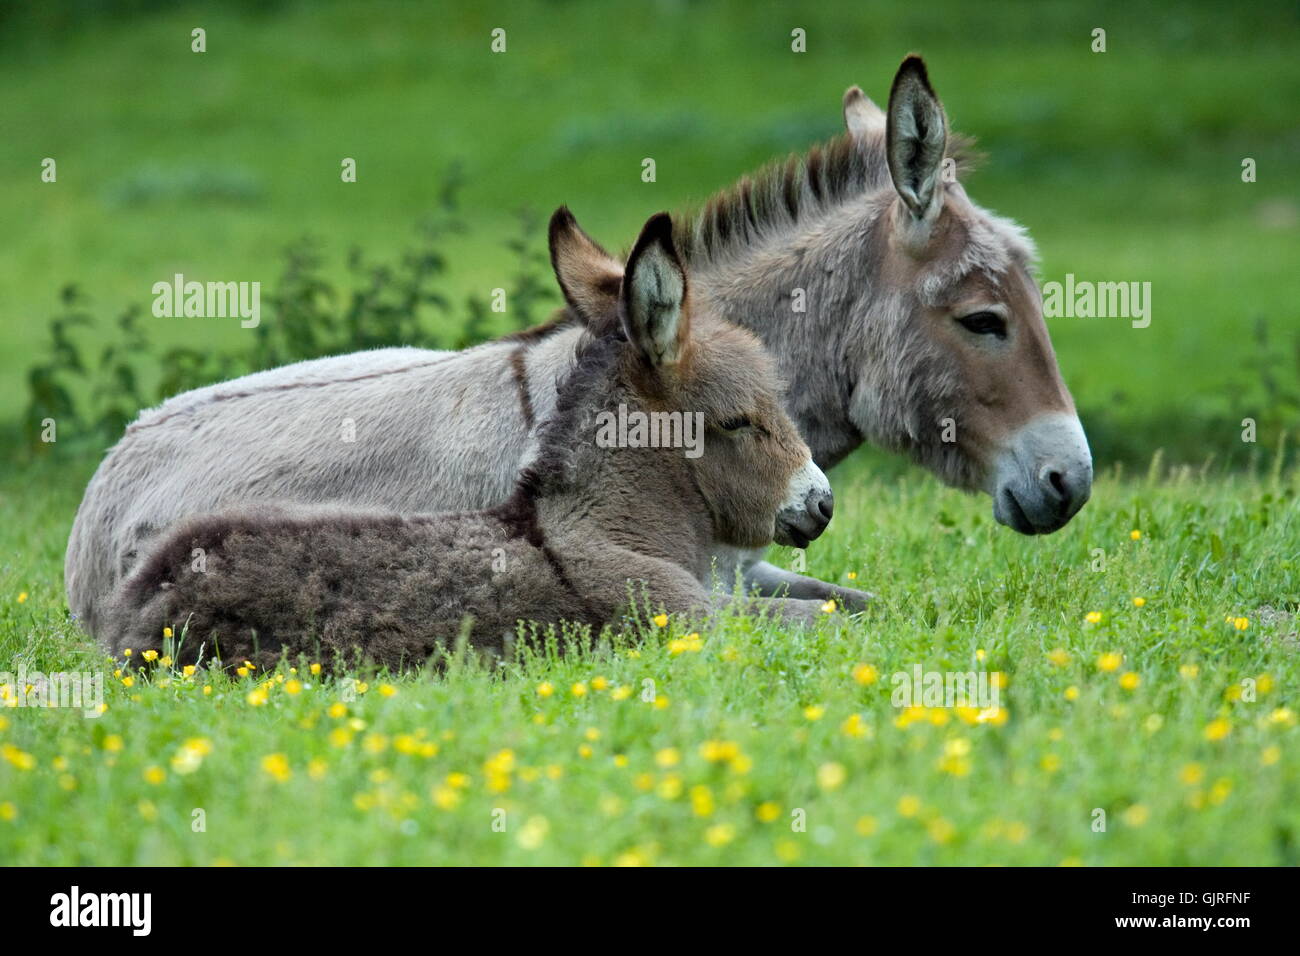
975 242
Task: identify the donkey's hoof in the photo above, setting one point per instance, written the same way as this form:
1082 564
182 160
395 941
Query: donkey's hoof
850 600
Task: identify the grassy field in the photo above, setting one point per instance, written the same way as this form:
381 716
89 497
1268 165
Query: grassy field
1149 650
1178 724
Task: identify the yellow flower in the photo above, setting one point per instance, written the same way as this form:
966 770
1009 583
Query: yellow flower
852 575
1192 774
1282 716
188 670
1136 815
127 652
445 798
337 709
387 690
599 683
670 787
1217 729
720 834
1188 671
1270 755
1220 791
579 689
767 811
908 806
257 696
1059 657
155 775
854 727
828 607
865 674
622 692
150 655
1240 623
865 826
940 830
293 687
128 681
1135 534
277 765
1129 680
831 775
545 689
8 811
668 757
1109 661
113 743
315 669
1050 763
702 803
167 632
1093 617
22 599
719 751
1139 602
814 712
661 620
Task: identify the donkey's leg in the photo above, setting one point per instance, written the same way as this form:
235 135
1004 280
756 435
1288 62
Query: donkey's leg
786 610
767 580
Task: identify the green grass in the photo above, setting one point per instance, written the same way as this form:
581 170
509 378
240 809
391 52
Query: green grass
952 587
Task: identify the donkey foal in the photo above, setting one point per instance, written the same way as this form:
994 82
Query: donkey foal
592 529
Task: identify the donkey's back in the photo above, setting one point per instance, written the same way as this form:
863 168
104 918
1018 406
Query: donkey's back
401 429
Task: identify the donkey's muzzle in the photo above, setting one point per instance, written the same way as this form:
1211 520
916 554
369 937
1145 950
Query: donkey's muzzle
798 527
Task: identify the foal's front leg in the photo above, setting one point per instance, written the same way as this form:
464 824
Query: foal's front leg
767 580
771 581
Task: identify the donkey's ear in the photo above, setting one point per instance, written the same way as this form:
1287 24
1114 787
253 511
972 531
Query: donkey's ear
916 136
654 295
862 117
589 276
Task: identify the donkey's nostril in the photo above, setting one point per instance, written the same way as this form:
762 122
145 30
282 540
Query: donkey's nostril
1054 478
821 507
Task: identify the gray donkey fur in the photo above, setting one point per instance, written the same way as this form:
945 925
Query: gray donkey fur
588 531
921 331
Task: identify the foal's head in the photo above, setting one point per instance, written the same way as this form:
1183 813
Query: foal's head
754 472
966 378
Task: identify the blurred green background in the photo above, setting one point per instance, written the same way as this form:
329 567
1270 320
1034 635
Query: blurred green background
1125 165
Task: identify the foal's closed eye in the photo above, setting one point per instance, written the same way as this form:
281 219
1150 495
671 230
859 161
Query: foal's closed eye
985 323
735 424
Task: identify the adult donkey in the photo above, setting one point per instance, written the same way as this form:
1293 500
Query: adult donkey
899 311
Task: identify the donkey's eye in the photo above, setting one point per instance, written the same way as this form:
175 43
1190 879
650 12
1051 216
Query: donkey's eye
735 424
985 323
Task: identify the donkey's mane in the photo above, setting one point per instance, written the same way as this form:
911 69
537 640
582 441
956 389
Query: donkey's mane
553 464
785 193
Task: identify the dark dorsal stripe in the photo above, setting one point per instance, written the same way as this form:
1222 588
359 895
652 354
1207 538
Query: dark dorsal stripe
519 367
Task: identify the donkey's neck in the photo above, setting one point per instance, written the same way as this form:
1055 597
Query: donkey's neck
800 291
638 499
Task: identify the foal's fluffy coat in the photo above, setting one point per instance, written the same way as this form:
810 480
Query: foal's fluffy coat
586 532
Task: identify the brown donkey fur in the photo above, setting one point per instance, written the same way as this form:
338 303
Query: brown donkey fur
588 531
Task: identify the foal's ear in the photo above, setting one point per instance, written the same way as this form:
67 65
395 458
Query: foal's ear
654 295
589 276
916 135
862 117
